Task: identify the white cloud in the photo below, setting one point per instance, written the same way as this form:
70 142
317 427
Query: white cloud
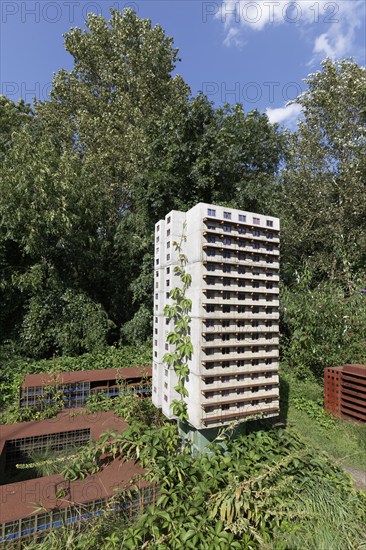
339 40
287 115
339 20
260 13
234 38
323 47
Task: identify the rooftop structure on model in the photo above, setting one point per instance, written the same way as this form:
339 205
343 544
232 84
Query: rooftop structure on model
77 386
31 507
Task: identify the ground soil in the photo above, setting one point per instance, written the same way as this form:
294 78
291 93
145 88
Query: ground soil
358 476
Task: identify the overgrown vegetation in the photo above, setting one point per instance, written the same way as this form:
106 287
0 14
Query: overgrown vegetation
302 410
265 489
239 496
14 368
40 463
84 177
322 325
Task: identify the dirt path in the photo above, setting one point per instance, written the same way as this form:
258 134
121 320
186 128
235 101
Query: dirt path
358 476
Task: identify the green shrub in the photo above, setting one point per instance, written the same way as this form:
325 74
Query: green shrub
264 490
315 410
15 367
138 329
322 326
66 323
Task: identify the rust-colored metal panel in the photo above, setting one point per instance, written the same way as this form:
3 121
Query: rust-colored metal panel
350 413
359 370
64 422
20 499
332 390
354 393
345 391
32 380
353 385
353 401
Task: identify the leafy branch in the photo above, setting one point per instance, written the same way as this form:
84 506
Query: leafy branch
179 312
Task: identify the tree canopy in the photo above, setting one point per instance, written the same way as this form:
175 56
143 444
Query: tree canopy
323 195
85 176
89 172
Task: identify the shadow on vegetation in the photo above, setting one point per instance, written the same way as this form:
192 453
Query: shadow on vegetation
284 399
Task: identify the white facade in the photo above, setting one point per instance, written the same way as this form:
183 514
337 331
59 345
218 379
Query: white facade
233 258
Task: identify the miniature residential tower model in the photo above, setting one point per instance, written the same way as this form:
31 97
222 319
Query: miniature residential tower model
233 259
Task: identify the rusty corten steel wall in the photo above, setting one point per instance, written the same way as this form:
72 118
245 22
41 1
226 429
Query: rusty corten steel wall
20 499
345 392
32 507
332 390
17 500
31 380
64 422
77 386
353 396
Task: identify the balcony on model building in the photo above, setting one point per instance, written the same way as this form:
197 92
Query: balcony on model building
224 269
239 415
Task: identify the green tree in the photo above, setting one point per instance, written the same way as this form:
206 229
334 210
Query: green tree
119 144
13 116
67 180
52 223
205 154
323 203
321 326
199 154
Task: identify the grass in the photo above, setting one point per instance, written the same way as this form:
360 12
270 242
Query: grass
48 462
325 514
328 523
343 440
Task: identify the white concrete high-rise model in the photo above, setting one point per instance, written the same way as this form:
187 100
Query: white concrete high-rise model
233 258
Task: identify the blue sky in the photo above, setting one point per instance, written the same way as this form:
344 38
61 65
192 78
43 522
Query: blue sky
253 52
